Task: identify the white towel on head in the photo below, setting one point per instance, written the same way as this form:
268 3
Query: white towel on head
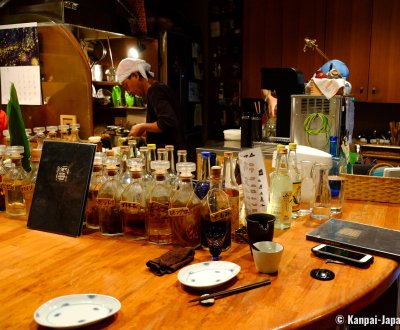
130 65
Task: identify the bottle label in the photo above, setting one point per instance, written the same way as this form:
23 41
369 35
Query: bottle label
178 211
296 196
132 207
105 202
286 207
28 188
220 215
8 186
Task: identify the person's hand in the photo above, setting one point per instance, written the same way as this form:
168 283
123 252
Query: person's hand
138 130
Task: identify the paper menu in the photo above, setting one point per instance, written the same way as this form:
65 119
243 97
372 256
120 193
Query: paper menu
254 180
19 63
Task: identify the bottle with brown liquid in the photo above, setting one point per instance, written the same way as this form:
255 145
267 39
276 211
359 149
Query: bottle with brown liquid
108 199
28 185
185 209
133 203
3 171
158 222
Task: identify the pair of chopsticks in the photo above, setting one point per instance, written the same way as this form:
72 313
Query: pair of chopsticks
257 106
232 291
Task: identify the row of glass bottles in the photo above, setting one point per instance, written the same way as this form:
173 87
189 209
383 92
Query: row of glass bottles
17 185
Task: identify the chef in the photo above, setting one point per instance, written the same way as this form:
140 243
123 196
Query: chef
164 116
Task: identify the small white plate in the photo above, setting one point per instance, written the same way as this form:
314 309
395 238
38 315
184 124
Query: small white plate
77 310
209 274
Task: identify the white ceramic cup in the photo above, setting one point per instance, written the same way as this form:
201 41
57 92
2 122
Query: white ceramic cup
268 258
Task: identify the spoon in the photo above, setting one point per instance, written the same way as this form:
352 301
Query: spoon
248 242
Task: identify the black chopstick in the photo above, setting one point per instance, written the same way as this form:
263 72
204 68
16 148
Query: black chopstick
232 291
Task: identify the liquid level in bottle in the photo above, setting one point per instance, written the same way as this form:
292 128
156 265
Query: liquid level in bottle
134 224
158 223
186 228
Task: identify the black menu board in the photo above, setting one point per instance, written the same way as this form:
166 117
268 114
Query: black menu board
61 187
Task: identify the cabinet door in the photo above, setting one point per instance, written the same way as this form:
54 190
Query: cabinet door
348 38
385 52
303 19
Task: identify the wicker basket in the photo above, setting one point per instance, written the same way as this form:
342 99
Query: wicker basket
314 90
372 188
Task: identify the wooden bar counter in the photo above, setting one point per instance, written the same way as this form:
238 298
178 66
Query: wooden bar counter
38 266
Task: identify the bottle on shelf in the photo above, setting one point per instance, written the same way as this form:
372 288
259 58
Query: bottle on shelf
96 180
133 203
185 209
108 199
230 186
158 222
51 132
12 182
295 176
3 171
216 217
39 136
28 184
203 184
74 136
281 188
64 132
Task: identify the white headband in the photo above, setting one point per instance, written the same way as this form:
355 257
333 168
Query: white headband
130 65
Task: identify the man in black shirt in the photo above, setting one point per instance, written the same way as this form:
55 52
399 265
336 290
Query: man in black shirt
164 118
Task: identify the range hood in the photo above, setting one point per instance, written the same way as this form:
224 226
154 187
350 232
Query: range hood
90 17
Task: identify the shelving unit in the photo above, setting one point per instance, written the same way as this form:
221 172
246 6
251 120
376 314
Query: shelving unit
225 62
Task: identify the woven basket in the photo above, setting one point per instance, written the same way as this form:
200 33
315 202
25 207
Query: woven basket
314 90
372 188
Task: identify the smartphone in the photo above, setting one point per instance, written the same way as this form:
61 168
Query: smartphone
354 258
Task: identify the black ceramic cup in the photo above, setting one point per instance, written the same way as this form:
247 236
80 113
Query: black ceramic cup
260 227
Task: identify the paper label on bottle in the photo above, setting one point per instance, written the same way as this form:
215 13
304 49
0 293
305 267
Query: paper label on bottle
286 207
28 188
105 202
221 214
132 207
178 211
296 196
8 186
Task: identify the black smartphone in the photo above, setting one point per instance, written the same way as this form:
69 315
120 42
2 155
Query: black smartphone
354 258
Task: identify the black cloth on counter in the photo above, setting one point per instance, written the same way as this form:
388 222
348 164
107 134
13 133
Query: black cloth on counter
171 261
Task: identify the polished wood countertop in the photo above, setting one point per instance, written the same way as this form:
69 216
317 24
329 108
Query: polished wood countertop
38 266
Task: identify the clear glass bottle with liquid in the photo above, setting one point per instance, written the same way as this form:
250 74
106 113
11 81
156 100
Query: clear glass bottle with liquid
216 217
280 196
230 186
181 156
64 132
6 139
203 184
12 182
52 132
158 222
185 209
321 208
39 136
125 175
3 171
108 199
295 176
133 149
74 136
172 176
96 180
147 176
28 185
133 203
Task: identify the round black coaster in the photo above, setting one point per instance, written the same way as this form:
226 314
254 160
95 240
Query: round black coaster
322 274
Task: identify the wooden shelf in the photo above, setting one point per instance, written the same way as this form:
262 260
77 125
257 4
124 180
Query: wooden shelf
106 108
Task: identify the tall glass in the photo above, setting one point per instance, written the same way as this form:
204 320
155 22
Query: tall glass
307 187
321 208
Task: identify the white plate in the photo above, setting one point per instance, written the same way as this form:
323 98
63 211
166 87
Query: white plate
208 274
77 310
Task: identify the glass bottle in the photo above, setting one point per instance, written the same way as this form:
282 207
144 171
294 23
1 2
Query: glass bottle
74 136
147 176
133 203
203 184
133 150
3 171
64 134
108 199
172 176
158 222
230 186
216 217
182 156
51 132
125 175
28 185
162 154
307 187
280 198
295 176
97 141
6 139
96 180
185 209
321 208
40 136
152 154
12 182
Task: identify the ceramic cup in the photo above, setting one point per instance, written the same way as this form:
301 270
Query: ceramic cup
260 227
268 258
